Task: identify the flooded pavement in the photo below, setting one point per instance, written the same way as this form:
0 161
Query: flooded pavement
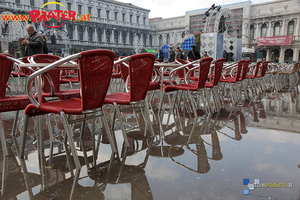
257 143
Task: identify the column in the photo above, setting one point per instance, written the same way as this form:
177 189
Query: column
281 56
120 37
127 37
112 36
270 29
283 25
296 34
296 54
268 55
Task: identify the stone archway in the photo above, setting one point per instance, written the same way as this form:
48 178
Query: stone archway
274 56
288 55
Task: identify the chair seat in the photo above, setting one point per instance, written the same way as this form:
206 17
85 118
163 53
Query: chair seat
70 106
209 85
186 87
121 98
228 80
169 88
65 94
251 76
13 103
68 80
16 74
114 76
154 86
167 82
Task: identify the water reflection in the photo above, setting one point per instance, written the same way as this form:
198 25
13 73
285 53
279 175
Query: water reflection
190 158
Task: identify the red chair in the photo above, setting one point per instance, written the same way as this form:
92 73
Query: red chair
140 72
95 67
9 103
197 86
212 85
55 77
231 83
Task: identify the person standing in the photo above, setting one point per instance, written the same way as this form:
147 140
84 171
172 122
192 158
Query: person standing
171 55
33 43
204 55
225 55
45 48
178 53
184 57
193 54
160 55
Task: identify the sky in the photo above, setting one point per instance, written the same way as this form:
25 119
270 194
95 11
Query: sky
174 8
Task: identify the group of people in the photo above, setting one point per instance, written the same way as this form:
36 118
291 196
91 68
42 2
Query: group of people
35 43
192 54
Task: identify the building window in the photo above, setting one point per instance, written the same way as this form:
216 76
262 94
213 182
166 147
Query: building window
183 35
160 40
124 38
144 39
150 40
69 6
57 5
116 36
45 1
99 33
99 12
144 21
123 17
17 1
264 30
130 18
79 9
277 29
90 10
168 39
108 36
107 14
80 33
90 34
32 2
252 32
131 39
70 32
137 19
291 28
116 16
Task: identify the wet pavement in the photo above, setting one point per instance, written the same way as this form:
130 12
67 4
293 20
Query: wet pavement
259 142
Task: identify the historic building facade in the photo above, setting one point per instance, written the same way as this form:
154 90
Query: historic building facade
114 25
252 21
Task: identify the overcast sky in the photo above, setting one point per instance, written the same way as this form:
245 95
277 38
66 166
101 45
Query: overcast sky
173 8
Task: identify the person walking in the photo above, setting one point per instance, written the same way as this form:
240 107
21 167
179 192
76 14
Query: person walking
204 55
193 54
33 43
171 55
45 48
178 53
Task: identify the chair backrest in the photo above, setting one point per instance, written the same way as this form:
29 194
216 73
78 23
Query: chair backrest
245 69
53 73
180 72
95 69
140 72
5 68
124 69
23 69
257 68
239 69
218 70
203 71
264 68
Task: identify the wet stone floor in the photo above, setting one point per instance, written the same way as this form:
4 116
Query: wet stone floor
257 144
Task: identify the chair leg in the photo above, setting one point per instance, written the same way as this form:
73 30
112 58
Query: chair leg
122 124
71 141
24 133
3 141
147 113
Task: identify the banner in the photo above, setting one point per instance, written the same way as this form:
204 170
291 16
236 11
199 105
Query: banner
275 40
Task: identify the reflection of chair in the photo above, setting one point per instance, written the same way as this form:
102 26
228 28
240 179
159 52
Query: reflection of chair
140 72
55 77
95 68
